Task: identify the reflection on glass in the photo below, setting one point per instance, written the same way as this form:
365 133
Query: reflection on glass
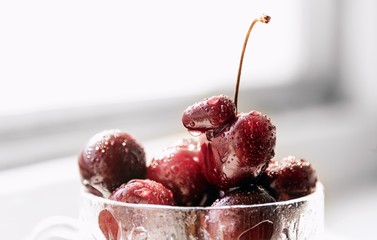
300 218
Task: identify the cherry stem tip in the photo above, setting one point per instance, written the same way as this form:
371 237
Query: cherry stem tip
264 19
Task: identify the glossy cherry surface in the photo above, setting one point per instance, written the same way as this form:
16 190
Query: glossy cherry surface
245 195
178 169
108 225
109 159
289 178
240 152
241 223
211 113
143 191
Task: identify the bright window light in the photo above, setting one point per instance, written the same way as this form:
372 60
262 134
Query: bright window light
59 54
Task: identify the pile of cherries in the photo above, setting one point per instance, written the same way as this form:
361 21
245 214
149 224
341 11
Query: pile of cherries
232 151
229 163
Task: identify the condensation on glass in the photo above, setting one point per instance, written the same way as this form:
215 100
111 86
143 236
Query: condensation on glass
301 218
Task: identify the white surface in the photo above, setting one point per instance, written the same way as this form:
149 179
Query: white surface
30 194
353 215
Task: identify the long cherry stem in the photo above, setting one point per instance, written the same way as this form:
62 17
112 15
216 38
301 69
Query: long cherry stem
263 19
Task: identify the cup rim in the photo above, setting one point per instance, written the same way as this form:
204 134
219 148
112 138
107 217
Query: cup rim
319 190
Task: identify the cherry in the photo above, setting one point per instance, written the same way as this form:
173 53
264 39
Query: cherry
289 178
139 191
240 152
143 191
109 159
108 225
235 148
241 223
245 195
208 114
178 169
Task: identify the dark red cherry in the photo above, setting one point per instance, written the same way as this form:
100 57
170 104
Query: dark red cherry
135 191
244 195
109 159
177 168
240 152
211 113
108 225
241 223
289 178
143 191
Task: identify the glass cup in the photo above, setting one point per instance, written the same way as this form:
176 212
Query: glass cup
301 218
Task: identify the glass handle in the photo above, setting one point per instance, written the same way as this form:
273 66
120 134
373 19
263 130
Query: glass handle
58 228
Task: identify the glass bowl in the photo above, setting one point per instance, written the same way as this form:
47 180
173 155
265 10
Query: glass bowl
301 218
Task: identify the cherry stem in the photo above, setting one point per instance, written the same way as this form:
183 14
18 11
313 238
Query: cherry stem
263 19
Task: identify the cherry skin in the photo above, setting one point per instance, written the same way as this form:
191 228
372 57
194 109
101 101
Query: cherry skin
238 153
108 225
241 223
137 191
211 113
143 191
178 169
109 159
244 195
289 178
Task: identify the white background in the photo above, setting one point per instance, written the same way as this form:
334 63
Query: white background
69 69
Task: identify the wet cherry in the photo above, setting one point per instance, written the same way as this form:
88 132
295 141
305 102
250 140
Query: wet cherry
139 191
211 113
240 152
245 195
234 149
109 159
108 225
178 169
241 223
289 178
143 191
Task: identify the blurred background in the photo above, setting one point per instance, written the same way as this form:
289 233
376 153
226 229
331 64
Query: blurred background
69 69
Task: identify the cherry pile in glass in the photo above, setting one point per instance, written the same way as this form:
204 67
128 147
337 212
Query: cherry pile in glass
230 162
